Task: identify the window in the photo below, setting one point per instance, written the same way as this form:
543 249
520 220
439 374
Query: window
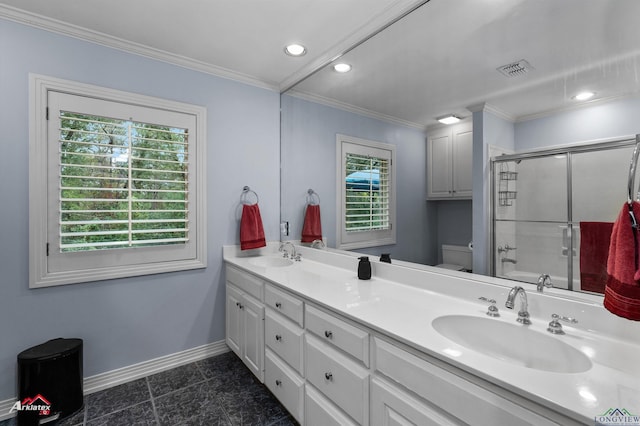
116 184
366 193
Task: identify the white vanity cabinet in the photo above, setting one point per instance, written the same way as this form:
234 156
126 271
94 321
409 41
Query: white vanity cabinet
328 368
245 319
449 161
458 400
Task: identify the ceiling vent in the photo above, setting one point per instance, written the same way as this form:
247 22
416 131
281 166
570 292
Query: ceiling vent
515 69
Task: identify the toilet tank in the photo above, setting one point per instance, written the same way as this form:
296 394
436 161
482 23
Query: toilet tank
457 255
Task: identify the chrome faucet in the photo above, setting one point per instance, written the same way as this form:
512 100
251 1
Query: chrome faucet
508 260
283 248
523 314
544 280
318 244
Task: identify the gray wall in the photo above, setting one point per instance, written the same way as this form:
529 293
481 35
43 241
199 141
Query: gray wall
127 321
600 121
309 161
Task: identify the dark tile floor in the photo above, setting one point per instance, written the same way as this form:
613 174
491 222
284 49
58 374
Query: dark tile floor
215 391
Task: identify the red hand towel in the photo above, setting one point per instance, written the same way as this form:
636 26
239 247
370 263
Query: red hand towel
312 228
622 293
251 231
595 238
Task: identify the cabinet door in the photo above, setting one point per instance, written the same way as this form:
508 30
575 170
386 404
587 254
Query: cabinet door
439 164
392 407
234 320
462 157
320 412
253 340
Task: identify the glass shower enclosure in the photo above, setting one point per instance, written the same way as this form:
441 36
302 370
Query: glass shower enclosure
553 211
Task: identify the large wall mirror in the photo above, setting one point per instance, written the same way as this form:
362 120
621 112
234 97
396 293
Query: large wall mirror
511 68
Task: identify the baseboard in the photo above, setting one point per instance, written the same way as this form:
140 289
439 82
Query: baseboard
136 371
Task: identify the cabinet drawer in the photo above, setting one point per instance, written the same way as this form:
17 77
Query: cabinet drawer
285 339
392 406
338 377
345 336
246 282
319 411
285 384
288 305
467 401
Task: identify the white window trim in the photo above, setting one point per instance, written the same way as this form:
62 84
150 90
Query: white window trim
377 238
39 276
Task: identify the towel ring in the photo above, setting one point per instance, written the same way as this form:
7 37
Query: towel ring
310 195
244 197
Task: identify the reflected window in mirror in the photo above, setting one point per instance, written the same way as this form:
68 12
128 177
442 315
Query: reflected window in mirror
366 193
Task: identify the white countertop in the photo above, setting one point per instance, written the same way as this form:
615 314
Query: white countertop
402 302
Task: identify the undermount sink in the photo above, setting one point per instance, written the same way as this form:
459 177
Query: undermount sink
512 343
271 261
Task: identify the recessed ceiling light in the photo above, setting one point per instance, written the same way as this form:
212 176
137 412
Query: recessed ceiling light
583 96
448 119
295 50
342 67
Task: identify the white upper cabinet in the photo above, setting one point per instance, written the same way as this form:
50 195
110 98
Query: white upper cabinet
449 159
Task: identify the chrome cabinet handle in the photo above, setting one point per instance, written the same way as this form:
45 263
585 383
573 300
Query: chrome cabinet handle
278 337
278 305
328 376
278 383
328 334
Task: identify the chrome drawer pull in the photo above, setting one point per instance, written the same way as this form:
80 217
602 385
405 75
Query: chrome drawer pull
278 383
278 305
328 376
328 334
278 337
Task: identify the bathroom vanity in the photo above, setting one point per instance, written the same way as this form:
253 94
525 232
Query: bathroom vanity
415 345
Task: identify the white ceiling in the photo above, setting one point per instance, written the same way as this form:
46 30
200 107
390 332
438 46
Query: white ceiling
240 39
442 58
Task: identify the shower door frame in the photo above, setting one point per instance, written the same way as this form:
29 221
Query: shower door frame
568 150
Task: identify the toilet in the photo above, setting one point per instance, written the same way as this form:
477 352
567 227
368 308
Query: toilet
456 258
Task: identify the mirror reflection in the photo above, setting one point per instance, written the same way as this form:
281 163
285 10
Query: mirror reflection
511 71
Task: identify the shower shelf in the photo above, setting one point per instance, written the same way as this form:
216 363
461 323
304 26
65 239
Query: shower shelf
505 197
508 175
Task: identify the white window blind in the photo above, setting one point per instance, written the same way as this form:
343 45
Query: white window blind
122 183
116 184
366 186
367 193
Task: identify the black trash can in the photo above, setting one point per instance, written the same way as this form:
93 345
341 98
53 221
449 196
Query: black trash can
50 381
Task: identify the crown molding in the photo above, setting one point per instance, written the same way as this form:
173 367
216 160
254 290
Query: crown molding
70 30
353 109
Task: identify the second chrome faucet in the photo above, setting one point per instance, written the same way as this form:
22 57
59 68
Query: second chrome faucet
523 313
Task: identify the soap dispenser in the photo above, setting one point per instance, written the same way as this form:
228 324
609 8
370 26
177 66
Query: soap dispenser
364 268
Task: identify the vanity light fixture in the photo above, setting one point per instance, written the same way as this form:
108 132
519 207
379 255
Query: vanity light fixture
448 119
295 50
583 96
342 67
